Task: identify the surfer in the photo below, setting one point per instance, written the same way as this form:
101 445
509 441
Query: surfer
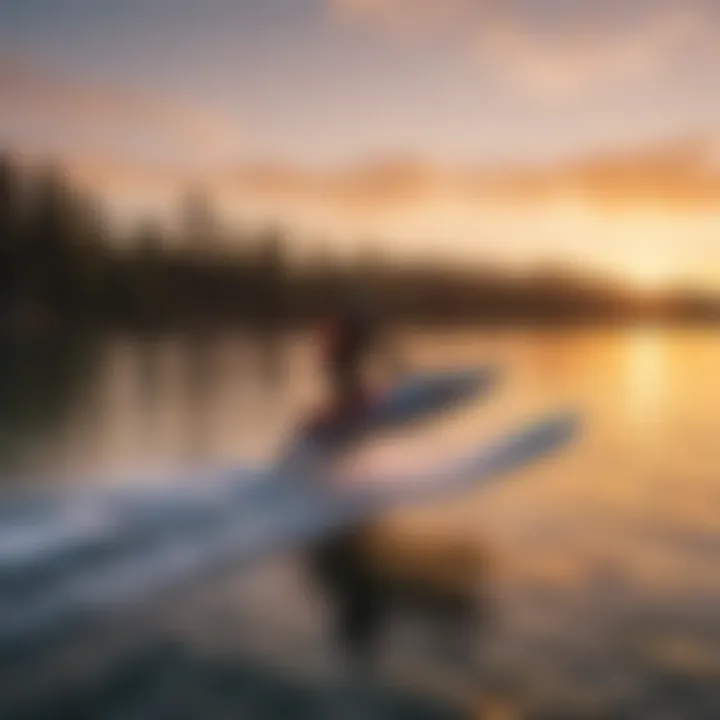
351 336
362 594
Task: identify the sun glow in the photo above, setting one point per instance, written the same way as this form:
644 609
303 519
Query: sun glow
651 274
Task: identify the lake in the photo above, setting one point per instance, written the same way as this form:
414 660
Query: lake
603 560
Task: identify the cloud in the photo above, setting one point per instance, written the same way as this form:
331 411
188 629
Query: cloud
547 55
566 61
613 210
680 174
374 185
674 174
64 109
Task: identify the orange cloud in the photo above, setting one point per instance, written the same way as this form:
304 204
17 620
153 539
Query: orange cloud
64 107
682 174
380 184
678 174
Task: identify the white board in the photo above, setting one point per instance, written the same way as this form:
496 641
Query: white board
122 548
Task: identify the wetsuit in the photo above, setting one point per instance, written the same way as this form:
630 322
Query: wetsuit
348 339
341 562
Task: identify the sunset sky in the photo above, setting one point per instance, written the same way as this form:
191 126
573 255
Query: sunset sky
583 131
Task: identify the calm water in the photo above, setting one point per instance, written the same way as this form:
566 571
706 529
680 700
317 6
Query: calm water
605 567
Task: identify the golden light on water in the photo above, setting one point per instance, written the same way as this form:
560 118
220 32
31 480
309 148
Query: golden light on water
646 374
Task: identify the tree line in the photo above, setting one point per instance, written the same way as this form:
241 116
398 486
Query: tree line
62 263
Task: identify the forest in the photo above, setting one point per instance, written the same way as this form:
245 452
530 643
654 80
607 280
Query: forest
63 264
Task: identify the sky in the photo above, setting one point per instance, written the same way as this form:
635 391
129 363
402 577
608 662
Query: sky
515 131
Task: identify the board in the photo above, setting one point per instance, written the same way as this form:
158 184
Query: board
123 547
50 526
415 399
54 528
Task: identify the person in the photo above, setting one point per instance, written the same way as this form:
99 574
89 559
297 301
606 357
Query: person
351 336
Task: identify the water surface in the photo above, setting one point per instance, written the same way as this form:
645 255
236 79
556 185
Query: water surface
604 560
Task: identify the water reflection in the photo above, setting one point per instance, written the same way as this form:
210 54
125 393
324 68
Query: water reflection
605 582
646 376
44 383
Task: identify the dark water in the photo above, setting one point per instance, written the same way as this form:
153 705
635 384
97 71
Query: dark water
603 568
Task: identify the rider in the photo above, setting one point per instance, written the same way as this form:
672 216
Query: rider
351 337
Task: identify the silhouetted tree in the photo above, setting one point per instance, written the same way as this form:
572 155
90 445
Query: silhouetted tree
148 285
270 274
60 258
10 218
199 226
56 241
